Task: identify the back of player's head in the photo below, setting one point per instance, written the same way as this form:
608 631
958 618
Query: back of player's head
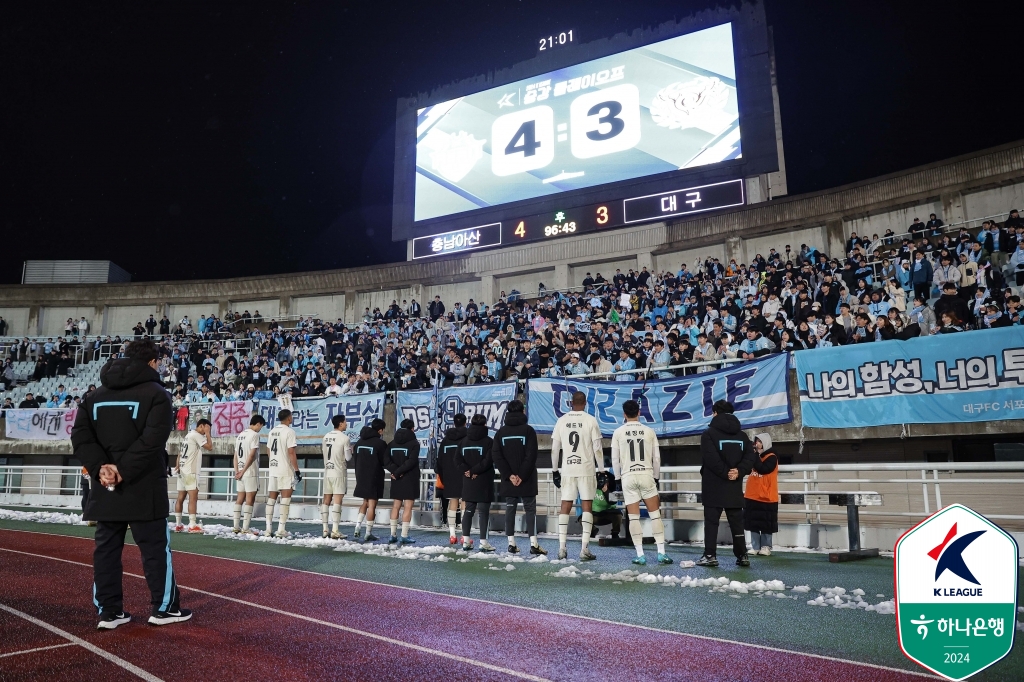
338 420
284 415
516 406
579 399
257 419
459 420
407 424
142 350
479 420
378 424
631 408
723 407
203 422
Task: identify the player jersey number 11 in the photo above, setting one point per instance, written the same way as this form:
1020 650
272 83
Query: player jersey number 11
601 122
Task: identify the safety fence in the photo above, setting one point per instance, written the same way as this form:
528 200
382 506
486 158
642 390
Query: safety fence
909 491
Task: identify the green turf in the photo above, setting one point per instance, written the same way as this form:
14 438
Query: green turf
784 623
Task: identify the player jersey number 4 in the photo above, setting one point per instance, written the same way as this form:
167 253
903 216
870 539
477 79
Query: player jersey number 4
281 438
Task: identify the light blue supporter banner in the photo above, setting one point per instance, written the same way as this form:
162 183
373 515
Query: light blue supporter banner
947 378
672 407
311 417
490 400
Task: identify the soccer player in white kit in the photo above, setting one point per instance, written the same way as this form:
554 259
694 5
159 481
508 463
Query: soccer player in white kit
247 472
636 460
577 438
187 472
337 450
284 470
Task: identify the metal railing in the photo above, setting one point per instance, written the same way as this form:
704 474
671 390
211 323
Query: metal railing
895 240
910 491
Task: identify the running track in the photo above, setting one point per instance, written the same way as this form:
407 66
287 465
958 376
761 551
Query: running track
267 622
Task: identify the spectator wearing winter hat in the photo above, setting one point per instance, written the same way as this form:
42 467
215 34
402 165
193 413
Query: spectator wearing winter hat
761 498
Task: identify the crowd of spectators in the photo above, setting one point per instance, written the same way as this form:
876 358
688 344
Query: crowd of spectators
701 315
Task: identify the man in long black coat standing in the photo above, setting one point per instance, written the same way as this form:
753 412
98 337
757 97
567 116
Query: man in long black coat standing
727 455
515 455
120 436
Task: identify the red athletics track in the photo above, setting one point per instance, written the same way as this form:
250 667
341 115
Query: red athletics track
268 622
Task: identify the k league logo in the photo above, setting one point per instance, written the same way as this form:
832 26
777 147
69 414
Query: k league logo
956 592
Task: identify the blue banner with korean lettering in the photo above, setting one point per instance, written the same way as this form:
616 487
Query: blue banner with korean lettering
672 407
311 417
946 378
490 400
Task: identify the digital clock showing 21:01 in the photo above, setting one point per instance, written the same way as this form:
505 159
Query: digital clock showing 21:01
556 39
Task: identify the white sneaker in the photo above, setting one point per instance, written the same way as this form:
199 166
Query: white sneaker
485 546
765 551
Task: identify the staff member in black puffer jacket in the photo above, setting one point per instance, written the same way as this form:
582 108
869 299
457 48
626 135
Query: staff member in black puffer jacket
120 436
726 457
515 455
478 481
404 455
449 470
371 456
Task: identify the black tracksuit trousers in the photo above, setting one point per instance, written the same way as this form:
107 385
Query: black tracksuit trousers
154 541
712 516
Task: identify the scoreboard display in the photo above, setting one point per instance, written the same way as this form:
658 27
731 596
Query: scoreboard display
613 134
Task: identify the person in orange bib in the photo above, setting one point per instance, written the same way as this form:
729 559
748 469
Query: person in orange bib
761 510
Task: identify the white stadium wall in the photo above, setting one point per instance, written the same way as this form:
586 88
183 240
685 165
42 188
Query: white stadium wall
122 318
692 257
268 308
812 236
17 321
382 299
994 202
53 319
193 310
460 292
606 268
897 220
328 307
524 282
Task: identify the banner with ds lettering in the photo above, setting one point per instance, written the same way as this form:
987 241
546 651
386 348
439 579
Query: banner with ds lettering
672 407
311 417
947 378
490 400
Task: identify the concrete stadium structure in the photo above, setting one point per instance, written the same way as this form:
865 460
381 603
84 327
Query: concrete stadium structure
966 188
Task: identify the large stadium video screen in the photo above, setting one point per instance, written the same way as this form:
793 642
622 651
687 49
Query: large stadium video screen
670 105
619 130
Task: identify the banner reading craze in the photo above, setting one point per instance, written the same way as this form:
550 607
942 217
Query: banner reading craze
672 407
311 417
490 400
41 424
947 378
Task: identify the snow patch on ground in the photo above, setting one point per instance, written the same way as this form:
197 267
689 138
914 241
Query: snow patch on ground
835 597
42 517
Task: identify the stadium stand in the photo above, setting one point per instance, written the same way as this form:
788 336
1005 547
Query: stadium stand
935 279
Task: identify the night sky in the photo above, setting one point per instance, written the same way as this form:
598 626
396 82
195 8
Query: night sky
213 139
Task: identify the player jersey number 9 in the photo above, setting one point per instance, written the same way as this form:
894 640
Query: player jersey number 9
574 442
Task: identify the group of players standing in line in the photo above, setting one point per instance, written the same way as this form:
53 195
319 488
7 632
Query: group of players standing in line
465 469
